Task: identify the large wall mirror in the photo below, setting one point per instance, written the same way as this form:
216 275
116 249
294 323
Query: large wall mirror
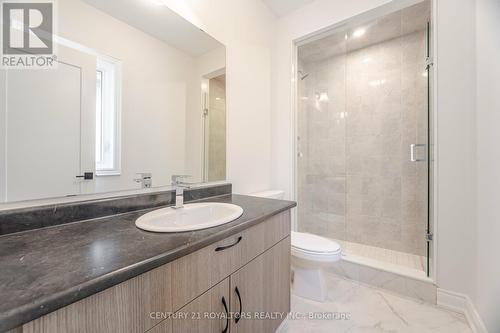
138 95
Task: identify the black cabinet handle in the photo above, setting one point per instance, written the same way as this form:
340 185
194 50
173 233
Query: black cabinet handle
227 315
222 248
237 316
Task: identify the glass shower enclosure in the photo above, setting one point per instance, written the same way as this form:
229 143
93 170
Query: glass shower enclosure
363 133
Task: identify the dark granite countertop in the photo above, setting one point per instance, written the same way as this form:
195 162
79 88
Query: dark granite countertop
45 269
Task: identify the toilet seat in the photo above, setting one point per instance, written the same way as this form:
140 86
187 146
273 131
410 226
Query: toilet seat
311 247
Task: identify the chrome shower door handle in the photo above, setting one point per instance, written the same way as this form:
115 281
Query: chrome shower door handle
413 155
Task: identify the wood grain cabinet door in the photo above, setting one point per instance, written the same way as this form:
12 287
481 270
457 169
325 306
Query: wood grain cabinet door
209 313
260 291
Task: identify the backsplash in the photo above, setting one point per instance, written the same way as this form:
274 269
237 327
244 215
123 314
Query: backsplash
25 219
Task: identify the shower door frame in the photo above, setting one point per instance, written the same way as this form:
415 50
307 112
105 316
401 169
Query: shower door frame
431 265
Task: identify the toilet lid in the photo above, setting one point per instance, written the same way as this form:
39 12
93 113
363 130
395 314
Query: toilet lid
313 243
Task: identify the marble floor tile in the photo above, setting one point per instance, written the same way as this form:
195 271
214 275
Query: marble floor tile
359 309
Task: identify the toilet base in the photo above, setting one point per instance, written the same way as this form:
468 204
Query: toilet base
309 283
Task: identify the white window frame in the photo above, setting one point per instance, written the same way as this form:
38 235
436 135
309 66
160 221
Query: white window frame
111 101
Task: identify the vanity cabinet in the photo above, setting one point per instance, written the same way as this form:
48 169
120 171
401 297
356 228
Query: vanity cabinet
199 271
255 298
239 284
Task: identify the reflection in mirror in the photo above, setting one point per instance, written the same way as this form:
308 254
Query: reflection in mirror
214 117
137 95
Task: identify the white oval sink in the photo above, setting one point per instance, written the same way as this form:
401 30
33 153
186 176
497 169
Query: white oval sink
191 217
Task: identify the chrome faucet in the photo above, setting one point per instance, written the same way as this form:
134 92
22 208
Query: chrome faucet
179 186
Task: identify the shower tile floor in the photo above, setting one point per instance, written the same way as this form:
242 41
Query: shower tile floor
366 309
382 255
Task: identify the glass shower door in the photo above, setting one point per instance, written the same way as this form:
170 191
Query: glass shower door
430 168
321 116
363 138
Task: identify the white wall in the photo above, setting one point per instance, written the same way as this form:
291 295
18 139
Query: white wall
488 152
456 181
469 157
246 27
318 15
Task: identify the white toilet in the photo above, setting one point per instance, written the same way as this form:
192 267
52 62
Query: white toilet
311 254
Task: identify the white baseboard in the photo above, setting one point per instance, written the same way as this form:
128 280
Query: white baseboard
462 304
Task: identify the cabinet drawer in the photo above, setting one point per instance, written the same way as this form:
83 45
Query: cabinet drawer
194 274
123 308
262 237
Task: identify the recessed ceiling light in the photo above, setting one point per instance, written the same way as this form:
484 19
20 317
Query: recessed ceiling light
358 33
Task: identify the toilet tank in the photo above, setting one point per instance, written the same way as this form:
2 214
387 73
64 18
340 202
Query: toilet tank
270 194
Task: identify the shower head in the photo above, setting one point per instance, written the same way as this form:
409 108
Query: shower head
303 75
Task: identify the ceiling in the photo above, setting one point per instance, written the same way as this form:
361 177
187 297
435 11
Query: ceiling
283 7
343 40
161 22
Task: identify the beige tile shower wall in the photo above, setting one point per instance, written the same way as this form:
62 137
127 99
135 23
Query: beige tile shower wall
358 114
322 162
386 106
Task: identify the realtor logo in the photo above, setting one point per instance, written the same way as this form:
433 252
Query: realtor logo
27 34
